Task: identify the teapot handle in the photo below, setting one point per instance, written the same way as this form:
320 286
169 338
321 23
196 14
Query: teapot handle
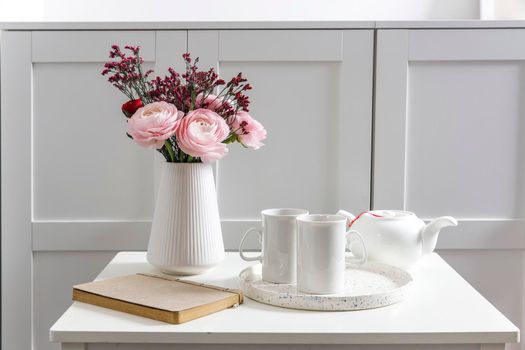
349 216
364 253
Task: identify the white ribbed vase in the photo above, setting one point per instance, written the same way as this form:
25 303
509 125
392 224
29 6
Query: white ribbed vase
186 236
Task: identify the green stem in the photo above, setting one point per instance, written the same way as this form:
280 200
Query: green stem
170 150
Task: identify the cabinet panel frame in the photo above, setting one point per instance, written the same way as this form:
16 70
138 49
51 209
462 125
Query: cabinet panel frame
355 54
396 48
16 134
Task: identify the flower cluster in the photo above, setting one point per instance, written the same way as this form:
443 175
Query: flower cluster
126 73
188 117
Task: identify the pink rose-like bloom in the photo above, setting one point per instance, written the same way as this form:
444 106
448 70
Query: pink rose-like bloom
249 130
153 124
210 102
200 134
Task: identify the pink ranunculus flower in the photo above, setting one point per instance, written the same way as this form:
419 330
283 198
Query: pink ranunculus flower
210 102
249 130
151 125
200 134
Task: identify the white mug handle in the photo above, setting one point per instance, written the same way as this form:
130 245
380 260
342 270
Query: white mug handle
364 257
241 252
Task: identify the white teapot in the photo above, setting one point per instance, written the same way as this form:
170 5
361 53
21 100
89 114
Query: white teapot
396 237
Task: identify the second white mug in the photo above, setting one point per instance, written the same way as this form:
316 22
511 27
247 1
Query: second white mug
279 244
321 247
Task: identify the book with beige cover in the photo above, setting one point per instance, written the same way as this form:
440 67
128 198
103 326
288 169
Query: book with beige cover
161 298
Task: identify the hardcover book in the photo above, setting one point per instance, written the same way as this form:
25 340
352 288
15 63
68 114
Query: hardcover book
162 298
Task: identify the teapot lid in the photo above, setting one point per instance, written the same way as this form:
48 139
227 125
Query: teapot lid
390 214
382 214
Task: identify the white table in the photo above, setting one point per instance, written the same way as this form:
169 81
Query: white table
443 312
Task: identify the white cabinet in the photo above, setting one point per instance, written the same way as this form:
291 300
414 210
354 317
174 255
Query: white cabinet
75 188
450 140
440 131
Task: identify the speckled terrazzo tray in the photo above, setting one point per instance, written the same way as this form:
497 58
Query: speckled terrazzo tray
369 286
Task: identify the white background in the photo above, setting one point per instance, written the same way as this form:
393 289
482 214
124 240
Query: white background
268 10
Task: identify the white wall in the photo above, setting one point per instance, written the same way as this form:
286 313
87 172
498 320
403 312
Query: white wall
224 10
509 9
269 10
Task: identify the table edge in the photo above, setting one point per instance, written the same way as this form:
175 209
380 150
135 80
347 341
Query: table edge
287 338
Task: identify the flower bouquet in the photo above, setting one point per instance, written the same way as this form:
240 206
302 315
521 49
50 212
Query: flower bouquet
180 115
190 118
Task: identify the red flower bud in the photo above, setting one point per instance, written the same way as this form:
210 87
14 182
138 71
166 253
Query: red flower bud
129 108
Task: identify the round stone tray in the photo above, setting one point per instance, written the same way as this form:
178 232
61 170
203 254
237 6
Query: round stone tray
368 286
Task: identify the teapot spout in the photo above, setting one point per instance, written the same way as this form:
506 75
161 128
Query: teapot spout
430 233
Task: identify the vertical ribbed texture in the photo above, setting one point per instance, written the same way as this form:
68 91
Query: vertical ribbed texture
186 236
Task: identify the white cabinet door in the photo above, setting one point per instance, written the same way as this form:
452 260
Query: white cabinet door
450 131
75 189
312 89
71 179
450 140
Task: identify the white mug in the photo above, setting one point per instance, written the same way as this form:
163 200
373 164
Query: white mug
321 250
279 244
